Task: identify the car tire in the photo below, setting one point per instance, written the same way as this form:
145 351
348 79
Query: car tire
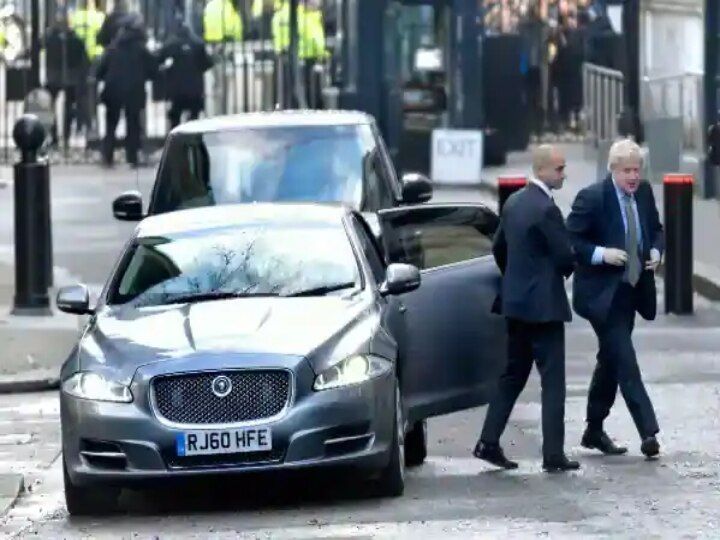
416 444
88 500
392 477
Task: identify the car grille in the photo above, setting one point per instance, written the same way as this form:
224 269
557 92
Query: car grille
189 399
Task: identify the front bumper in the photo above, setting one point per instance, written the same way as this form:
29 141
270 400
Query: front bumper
125 443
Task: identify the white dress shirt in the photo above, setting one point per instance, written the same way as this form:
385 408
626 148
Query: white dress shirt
542 185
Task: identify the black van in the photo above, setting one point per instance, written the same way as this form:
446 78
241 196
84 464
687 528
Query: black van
314 156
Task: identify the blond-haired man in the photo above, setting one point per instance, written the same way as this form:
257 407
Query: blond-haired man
618 241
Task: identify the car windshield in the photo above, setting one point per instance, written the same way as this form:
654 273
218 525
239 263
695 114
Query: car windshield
262 260
302 163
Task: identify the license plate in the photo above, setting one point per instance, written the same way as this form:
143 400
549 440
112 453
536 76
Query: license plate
228 441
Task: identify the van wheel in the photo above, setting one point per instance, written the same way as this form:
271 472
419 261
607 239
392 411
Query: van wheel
416 444
88 500
392 477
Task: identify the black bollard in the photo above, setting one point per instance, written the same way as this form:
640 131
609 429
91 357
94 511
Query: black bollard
678 208
507 185
31 220
45 203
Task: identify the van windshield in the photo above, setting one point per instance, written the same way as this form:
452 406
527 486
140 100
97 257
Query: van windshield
285 163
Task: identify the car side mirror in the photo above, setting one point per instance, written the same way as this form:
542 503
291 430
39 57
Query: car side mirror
128 206
400 278
416 188
74 299
714 144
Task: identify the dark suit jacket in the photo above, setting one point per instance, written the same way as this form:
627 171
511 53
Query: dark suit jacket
532 250
596 220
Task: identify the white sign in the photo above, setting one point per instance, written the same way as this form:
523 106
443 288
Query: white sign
457 156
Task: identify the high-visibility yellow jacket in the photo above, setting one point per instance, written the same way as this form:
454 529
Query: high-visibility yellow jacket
87 23
311 32
221 22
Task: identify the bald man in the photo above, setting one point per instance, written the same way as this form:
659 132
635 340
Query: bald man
532 249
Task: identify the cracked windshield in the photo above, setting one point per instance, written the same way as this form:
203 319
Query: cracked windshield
257 261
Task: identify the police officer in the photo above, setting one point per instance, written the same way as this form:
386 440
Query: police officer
124 68
311 43
222 22
66 68
185 84
87 22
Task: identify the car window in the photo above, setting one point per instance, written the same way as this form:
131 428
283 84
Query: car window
289 163
433 237
377 185
370 248
257 260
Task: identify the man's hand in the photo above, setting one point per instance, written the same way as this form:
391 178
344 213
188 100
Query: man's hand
654 261
615 257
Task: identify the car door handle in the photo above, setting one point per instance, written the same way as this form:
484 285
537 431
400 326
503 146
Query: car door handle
403 308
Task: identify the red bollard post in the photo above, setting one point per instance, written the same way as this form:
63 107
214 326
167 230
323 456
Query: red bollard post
678 210
507 185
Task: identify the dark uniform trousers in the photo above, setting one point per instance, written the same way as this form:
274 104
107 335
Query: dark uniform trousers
545 344
178 106
617 366
133 131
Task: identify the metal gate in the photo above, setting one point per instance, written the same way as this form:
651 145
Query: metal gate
254 68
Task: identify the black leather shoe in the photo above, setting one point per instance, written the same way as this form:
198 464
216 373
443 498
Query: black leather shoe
493 454
599 440
560 464
650 447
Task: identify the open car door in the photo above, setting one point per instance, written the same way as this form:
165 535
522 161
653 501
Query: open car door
454 346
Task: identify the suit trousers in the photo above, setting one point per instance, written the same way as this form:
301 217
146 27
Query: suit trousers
543 343
617 366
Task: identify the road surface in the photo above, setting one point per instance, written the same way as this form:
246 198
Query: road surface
453 495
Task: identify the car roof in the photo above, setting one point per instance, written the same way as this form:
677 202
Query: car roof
241 214
270 119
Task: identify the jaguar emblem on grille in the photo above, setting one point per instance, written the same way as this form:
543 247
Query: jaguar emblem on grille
221 386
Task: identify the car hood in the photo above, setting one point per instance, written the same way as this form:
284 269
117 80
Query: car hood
126 339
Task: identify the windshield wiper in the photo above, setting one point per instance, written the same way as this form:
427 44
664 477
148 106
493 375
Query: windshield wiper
323 290
214 295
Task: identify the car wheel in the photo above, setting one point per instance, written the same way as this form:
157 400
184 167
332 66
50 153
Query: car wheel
88 500
416 444
392 477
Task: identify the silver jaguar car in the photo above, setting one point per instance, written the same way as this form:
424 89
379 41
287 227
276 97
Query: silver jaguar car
267 337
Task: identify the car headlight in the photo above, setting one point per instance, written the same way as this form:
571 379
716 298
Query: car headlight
96 387
353 370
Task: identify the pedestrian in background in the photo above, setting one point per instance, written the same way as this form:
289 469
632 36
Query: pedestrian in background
532 250
185 80
113 23
124 68
66 67
618 240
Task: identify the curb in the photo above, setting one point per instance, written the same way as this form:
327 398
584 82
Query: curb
19 384
11 487
706 281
